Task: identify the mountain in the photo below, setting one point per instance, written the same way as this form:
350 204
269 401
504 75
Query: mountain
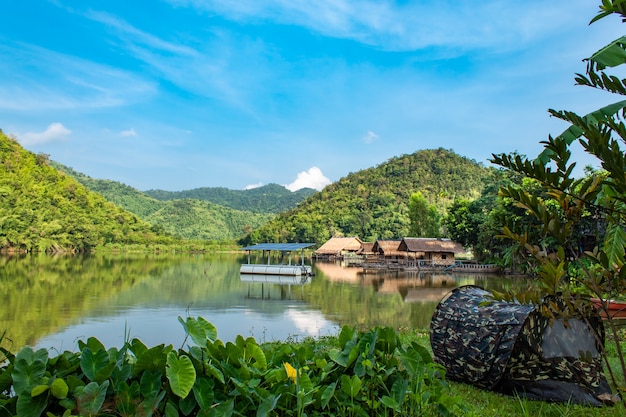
374 203
183 217
271 198
42 209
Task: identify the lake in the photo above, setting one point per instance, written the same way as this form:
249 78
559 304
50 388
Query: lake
54 301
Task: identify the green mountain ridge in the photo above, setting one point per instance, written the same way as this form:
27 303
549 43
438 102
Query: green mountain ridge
270 198
39 195
374 203
186 218
43 209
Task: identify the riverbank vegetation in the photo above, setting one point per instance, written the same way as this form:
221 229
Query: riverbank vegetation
379 372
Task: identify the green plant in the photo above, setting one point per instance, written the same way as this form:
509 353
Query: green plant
594 207
356 374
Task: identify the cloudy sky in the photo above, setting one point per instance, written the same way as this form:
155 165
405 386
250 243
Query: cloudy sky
180 94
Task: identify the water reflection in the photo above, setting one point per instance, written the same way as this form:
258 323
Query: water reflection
54 301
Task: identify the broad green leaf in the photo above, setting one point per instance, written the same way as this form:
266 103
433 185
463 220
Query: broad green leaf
223 410
90 400
254 351
96 366
28 406
390 403
612 55
153 359
346 335
127 397
92 343
180 373
138 347
267 406
29 369
187 405
351 386
203 393
328 394
38 390
150 384
171 410
614 243
399 390
215 372
304 382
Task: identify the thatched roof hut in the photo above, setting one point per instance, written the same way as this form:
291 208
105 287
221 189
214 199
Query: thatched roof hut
339 246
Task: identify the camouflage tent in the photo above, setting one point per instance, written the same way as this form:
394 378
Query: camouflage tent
514 349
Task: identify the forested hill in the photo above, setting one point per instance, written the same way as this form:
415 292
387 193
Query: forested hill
43 209
374 203
186 218
271 198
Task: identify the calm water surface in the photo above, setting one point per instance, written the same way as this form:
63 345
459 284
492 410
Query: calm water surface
52 302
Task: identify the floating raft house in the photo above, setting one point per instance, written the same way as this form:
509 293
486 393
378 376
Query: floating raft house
277 269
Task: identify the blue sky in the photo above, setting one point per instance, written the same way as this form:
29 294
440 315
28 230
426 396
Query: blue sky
180 94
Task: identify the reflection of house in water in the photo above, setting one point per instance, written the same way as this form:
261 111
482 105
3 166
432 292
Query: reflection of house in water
274 286
418 287
339 272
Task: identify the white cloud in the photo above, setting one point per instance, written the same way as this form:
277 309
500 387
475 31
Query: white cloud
128 132
251 186
313 178
370 137
55 132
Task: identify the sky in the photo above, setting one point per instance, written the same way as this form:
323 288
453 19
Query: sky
182 94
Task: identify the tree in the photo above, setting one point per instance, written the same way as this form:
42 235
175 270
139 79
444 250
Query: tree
425 219
596 203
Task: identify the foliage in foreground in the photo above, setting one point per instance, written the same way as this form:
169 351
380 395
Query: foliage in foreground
359 374
596 203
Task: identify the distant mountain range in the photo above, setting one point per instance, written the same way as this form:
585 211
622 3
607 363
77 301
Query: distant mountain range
202 213
42 208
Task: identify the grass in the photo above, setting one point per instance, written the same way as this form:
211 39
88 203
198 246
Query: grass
490 404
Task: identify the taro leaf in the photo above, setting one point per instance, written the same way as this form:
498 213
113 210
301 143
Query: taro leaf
328 394
412 362
225 409
388 339
423 352
200 330
305 382
180 373
96 366
187 405
28 406
345 357
138 347
39 389
152 359
92 343
351 386
28 370
390 402
5 376
214 372
253 350
148 406
91 398
150 383
399 389
171 410
59 389
203 393
346 335
267 406
126 398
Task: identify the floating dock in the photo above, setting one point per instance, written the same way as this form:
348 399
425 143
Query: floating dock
295 270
